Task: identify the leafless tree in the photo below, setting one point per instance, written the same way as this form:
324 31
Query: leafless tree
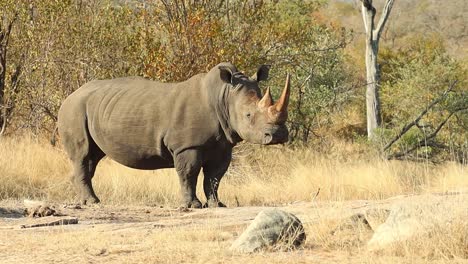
373 33
6 25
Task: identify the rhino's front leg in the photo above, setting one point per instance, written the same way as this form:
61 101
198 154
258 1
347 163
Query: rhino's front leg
213 173
188 165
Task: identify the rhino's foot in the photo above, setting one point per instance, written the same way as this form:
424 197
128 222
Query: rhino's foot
192 204
213 204
89 200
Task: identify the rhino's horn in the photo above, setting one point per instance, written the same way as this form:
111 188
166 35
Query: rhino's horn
266 100
282 104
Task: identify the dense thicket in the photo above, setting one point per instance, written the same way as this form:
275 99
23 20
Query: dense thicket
50 48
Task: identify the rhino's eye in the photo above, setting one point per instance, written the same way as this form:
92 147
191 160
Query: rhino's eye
248 115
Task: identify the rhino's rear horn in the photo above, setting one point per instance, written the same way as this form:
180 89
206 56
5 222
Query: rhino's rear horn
282 104
266 100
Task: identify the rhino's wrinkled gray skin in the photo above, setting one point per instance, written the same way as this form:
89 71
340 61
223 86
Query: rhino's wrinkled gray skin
189 126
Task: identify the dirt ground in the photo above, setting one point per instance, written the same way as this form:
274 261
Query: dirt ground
154 234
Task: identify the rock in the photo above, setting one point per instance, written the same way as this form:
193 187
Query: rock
38 209
417 218
271 227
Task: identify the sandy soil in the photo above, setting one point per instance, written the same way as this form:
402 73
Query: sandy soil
136 234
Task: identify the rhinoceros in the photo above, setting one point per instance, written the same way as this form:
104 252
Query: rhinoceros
190 126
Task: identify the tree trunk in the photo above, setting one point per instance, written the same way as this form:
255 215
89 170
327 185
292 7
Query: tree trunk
372 90
5 31
3 50
373 33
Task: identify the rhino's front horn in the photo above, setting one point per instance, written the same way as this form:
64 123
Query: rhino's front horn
282 104
266 100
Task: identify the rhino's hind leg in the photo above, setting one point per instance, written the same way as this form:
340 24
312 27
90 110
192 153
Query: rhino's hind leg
213 173
188 166
82 175
84 155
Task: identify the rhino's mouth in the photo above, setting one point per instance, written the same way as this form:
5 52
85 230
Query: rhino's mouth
267 139
277 135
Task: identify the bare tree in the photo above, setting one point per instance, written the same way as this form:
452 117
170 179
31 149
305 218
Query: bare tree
5 32
373 33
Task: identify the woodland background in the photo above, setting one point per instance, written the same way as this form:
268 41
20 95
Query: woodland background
48 49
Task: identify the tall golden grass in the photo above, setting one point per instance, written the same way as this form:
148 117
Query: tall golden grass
32 168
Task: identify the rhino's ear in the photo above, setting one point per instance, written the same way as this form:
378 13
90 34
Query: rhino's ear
225 74
262 73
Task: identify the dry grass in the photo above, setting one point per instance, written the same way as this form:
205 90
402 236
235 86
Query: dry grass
30 168
200 245
448 243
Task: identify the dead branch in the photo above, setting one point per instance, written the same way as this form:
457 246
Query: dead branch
383 19
422 143
408 126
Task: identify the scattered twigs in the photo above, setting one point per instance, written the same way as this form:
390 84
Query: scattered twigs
316 194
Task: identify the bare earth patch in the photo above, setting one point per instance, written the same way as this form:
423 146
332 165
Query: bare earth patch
138 234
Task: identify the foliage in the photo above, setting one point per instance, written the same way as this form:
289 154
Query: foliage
57 46
60 45
286 35
413 77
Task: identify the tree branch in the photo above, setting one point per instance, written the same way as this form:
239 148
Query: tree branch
4 36
48 111
416 120
439 127
383 18
426 144
368 14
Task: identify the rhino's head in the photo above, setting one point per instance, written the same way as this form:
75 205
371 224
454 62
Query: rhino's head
256 118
